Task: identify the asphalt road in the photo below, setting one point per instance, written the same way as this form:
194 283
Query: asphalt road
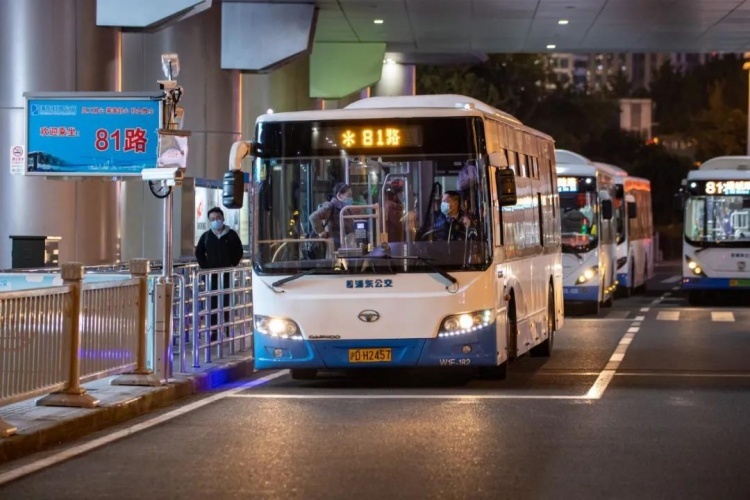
649 399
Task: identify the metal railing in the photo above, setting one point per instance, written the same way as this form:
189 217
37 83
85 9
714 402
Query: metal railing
109 328
31 341
213 314
53 338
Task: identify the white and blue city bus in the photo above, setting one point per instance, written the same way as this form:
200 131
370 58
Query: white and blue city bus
716 244
392 287
588 231
633 230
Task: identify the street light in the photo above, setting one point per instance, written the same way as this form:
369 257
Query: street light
746 67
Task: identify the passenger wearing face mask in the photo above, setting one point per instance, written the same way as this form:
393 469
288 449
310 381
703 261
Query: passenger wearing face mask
450 223
326 222
219 247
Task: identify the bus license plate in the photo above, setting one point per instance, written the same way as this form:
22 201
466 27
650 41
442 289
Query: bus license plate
369 355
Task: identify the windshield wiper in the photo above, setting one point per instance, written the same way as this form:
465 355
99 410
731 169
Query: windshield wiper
426 262
314 270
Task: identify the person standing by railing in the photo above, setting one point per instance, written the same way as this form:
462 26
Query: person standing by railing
219 247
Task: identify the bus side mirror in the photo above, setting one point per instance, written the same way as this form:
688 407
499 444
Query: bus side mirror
506 187
679 202
632 211
233 189
607 209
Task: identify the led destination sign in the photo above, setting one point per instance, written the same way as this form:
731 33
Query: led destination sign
383 137
725 188
574 184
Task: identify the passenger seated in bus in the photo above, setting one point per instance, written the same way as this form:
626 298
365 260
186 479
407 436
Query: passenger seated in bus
326 221
450 224
394 211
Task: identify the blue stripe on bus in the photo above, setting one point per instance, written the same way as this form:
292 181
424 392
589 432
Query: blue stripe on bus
441 351
581 293
715 284
623 279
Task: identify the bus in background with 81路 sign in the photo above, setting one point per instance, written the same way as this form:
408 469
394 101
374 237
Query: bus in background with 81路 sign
716 243
441 249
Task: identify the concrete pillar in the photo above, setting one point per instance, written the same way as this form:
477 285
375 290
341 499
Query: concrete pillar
54 45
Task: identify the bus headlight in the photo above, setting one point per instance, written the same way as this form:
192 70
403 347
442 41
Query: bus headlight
621 262
694 267
587 275
277 327
459 324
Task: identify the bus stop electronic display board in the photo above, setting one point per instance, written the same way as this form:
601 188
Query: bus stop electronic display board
97 134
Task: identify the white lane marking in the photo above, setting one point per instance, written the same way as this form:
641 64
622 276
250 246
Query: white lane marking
645 309
401 396
686 375
598 320
722 316
639 318
673 279
605 377
675 288
668 316
104 440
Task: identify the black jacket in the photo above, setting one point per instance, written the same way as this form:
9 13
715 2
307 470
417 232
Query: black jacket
213 252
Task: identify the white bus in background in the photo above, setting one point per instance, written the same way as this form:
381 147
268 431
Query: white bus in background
633 230
716 245
387 290
588 231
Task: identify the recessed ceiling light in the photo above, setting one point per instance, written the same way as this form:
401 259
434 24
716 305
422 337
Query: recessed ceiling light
563 21
551 46
378 21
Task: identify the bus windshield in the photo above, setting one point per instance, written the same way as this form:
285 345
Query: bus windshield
579 229
715 220
365 214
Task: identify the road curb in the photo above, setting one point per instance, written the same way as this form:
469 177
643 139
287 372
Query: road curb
25 443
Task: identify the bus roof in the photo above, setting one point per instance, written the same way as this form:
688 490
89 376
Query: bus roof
719 175
440 101
570 158
727 163
637 183
443 105
576 170
612 169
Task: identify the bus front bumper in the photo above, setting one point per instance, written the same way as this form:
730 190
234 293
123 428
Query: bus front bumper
478 348
715 284
573 294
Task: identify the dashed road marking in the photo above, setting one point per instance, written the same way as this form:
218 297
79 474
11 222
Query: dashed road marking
668 316
722 316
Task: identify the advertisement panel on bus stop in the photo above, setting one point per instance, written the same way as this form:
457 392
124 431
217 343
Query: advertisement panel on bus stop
91 134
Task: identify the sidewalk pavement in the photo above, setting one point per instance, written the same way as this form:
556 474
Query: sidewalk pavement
42 426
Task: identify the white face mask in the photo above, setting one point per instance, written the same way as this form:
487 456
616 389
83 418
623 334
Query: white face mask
445 207
217 224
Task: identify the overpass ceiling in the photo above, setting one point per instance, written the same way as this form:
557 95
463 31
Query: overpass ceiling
496 26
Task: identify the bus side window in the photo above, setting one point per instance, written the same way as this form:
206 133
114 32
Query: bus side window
513 162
